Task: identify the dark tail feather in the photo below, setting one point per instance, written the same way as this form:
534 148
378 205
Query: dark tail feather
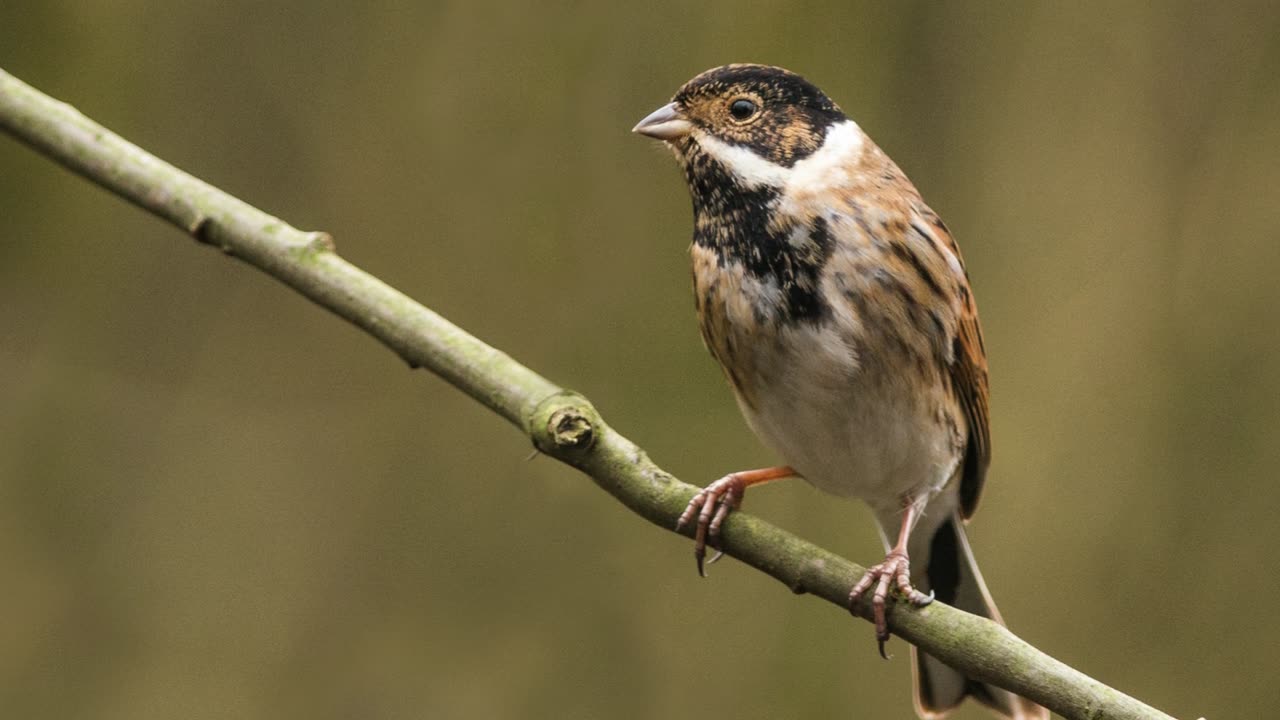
953 576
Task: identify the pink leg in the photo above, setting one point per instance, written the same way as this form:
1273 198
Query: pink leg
714 503
895 570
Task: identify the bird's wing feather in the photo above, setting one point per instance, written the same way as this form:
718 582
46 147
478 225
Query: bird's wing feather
968 370
969 376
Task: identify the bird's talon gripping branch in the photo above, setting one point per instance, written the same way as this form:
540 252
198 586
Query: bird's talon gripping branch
895 571
713 504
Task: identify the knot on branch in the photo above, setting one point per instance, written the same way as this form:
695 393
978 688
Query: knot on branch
571 429
564 424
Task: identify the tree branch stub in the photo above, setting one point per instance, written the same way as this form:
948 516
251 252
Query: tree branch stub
564 425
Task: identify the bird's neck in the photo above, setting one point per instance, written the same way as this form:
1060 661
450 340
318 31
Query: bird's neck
744 226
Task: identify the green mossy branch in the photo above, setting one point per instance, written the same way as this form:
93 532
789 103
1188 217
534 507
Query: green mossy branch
561 424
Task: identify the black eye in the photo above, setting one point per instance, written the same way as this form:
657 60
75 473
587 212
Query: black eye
742 108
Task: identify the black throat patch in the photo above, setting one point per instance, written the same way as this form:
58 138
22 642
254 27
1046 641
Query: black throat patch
742 225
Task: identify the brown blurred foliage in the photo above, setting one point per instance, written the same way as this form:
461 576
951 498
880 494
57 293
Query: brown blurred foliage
217 501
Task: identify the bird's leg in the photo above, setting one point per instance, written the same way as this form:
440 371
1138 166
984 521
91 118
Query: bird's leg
895 570
713 504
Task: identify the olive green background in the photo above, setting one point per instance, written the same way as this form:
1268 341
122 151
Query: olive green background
217 501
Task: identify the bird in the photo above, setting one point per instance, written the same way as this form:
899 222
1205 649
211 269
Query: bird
839 308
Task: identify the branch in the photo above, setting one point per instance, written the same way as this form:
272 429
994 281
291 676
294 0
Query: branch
561 424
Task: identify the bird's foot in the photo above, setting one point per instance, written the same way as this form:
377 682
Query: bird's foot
712 505
895 571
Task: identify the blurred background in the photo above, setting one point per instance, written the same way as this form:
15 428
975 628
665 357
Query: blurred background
218 501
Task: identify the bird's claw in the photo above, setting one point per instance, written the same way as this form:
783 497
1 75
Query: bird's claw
895 571
711 505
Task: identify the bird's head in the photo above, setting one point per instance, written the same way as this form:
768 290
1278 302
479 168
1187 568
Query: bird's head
756 122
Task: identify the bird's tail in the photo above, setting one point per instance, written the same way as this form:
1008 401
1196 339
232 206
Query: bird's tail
951 573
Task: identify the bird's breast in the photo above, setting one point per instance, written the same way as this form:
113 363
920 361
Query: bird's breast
853 397
748 324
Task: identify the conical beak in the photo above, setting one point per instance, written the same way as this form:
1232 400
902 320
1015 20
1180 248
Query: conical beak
665 123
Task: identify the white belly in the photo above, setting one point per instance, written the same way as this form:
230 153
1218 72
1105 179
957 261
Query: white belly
851 428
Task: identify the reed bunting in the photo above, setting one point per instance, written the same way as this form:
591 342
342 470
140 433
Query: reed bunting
838 306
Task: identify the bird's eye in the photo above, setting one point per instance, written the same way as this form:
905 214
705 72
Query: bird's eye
742 109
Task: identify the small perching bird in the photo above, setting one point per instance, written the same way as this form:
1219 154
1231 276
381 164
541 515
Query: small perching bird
839 308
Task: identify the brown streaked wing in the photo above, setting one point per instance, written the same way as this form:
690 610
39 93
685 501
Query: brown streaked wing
969 379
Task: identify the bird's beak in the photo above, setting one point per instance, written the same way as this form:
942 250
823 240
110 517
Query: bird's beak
665 123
